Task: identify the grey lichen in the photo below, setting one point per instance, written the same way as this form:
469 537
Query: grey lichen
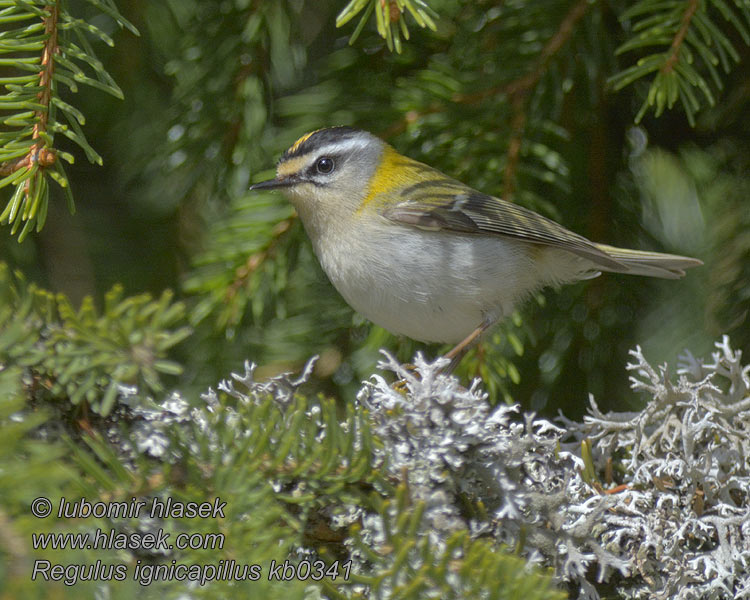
674 524
649 504
683 522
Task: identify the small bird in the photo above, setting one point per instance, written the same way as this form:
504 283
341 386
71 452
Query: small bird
424 255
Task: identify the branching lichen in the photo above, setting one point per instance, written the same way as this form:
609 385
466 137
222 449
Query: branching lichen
649 504
679 524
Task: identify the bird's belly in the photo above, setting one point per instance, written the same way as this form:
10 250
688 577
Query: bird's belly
443 321
429 286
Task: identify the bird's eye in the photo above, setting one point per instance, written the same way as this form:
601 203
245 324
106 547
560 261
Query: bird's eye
324 165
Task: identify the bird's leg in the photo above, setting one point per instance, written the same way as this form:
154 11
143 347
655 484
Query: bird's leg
458 352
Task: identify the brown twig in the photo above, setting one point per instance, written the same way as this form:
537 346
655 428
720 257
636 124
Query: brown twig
12 166
255 260
516 90
514 146
410 117
522 85
39 153
679 37
48 70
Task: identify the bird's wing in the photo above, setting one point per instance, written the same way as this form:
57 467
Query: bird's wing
464 210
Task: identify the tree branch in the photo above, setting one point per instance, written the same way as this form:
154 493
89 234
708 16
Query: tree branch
523 84
679 37
255 260
39 152
48 70
515 90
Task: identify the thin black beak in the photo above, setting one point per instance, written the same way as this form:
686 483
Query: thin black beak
272 184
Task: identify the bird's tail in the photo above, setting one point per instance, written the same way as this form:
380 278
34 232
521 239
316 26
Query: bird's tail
650 264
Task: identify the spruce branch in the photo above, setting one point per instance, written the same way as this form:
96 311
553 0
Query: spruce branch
389 18
687 69
524 84
516 91
39 152
86 356
256 260
44 47
679 38
45 82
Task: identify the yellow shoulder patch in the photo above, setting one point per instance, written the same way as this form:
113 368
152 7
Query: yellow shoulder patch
394 172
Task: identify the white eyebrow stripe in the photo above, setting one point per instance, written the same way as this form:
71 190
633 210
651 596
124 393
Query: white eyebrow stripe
301 162
339 147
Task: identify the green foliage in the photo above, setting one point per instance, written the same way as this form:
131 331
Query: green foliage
218 55
497 366
684 50
83 356
31 467
389 18
27 463
304 440
252 232
47 50
405 564
19 331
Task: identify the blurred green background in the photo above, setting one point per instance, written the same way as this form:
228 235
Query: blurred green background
514 98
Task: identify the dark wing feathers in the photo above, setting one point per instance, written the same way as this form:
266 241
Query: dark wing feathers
468 211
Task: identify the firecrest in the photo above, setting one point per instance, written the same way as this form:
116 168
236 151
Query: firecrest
424 255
